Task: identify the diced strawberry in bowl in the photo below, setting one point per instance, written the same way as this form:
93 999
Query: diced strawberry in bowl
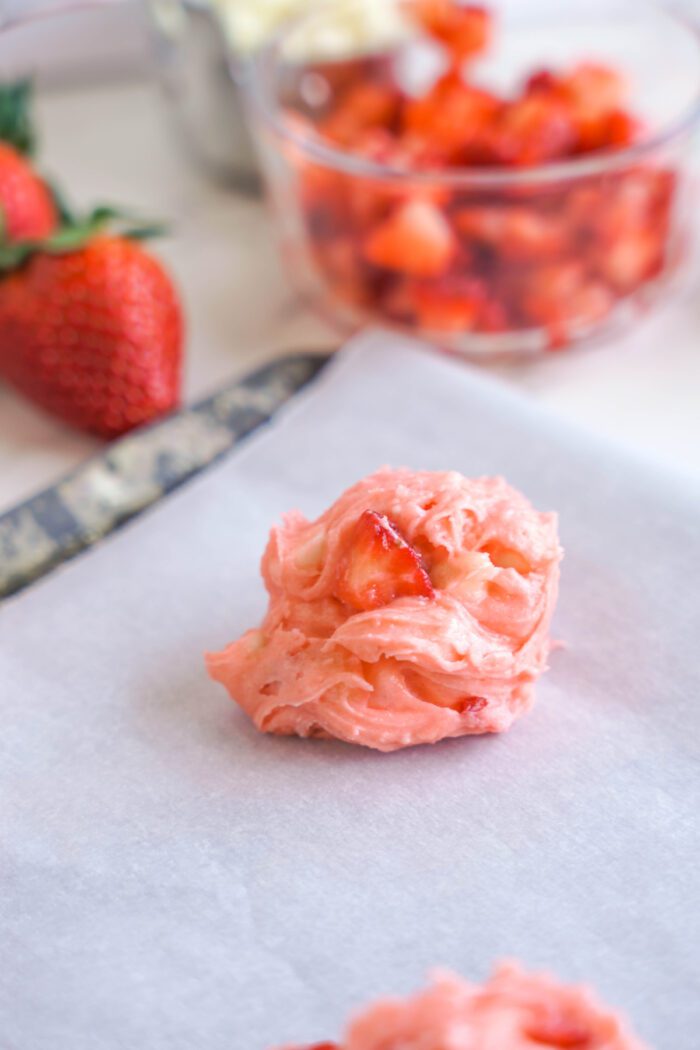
417 240
509 218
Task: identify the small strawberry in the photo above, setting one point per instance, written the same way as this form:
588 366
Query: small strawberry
417 239
93 335
26 204
379 566
27 208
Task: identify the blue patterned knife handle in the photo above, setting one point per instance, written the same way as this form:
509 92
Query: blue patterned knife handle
139 469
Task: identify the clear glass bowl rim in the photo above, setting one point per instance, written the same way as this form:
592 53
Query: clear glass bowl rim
264 104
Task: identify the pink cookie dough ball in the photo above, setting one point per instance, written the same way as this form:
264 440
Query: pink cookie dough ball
416 608
513 1010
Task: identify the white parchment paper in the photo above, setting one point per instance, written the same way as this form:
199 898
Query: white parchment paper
173 880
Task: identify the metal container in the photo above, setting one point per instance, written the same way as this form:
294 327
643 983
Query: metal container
204 82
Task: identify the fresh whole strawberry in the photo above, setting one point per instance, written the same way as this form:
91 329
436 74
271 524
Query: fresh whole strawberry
90 324
93 335
26 205
27 209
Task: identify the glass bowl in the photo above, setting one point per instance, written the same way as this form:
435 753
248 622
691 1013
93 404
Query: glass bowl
541 257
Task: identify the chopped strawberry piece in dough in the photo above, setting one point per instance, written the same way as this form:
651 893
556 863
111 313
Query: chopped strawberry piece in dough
379 566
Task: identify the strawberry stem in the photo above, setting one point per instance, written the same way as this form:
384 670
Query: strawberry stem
74 234
16 125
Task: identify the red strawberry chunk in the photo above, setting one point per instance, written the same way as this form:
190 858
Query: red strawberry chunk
549 291
379 566
531 130
452 117
519 233
620 129
592 93
564 299
493 316
464 29
319 1046
417 239
560 1033
593 89
362 106
630 259
449 306
542 81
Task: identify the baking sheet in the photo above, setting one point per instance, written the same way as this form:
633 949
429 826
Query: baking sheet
173 879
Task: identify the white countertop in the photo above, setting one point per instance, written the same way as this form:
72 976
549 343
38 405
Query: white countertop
643 390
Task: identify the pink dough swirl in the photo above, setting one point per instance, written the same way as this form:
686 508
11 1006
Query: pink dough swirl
513 1010
417 607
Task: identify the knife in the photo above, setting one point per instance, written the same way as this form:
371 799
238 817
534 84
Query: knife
139 469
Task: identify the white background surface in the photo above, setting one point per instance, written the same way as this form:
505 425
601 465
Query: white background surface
175 880
113 142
